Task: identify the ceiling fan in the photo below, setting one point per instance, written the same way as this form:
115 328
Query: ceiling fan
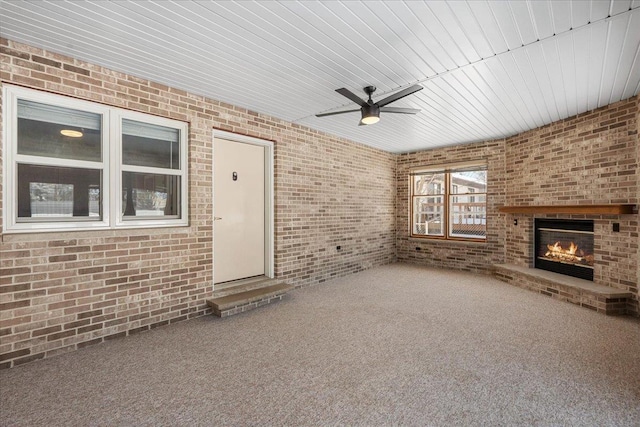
371 110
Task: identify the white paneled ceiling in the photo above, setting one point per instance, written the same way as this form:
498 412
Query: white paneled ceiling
489 69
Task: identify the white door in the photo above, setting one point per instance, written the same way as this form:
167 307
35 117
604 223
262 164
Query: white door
239 210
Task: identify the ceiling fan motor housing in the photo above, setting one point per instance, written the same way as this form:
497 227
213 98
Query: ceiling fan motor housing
369 91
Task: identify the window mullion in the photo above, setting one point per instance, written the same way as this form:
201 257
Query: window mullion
51 161
447 201
113 150
148 169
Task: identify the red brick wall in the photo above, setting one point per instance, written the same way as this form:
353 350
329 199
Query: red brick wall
61 291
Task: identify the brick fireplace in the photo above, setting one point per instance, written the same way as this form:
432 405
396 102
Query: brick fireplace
571 260
581 169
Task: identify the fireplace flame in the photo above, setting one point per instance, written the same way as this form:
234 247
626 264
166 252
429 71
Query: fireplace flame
571 254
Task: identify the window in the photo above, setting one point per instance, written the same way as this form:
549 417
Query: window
449 203
428 204
150 171
78 165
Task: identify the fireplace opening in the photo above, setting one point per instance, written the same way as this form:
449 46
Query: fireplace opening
564 246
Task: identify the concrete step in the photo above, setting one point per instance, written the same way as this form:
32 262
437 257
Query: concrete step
243 299
237 286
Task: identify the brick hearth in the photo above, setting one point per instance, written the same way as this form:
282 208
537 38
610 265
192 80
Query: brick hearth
603 299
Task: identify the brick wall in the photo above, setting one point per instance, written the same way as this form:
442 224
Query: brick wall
459 255
62 291
591 158
332 193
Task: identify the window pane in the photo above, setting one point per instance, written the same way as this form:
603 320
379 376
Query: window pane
428 215
58 193
468 216
150 145
150 195
428 184
43 131
469 182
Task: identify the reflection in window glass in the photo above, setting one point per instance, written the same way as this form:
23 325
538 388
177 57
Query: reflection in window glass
58 193
427 184
150 195
469 182
144 144
43 130
48 199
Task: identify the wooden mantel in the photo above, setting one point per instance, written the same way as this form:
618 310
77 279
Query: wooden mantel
611 209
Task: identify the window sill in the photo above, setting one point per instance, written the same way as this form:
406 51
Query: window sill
41 228
443 240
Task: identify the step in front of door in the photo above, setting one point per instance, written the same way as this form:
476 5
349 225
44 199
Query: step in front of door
240 302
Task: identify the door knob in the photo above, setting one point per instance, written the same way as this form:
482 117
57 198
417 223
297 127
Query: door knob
217 218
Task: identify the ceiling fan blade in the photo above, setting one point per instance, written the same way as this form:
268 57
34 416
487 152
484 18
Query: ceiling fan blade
399 110
398 95
336 112
352 96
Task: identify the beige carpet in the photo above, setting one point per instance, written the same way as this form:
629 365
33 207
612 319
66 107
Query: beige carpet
395 345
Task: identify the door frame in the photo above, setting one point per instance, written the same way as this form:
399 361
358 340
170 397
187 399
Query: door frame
269 227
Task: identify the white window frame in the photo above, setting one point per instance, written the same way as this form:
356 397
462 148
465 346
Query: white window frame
110 165
133 222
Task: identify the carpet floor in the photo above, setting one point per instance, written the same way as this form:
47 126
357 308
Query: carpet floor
394 345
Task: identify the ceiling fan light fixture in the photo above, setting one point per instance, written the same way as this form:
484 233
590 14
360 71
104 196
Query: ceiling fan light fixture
370 114
369 120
